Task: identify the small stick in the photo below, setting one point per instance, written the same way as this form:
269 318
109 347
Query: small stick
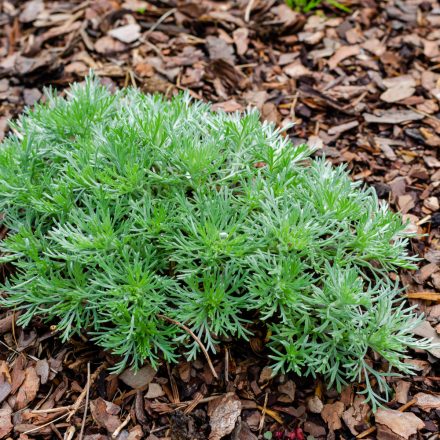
160 20
27 355
366 432
56 431
42 402
83 394
195 337
127 76
417 379
83 424
429 296
263 414
197 399
161 428
226 365
247 13
76 363
121 426
174 389
272 414
180 405
13 330
407 405
69 433
37 428
50 410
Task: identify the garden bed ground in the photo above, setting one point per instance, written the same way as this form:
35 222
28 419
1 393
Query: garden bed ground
364 88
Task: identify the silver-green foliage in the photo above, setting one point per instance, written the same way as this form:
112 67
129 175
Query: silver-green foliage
309 5
122 208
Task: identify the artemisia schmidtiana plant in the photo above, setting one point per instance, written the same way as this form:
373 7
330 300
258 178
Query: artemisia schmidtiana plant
123 208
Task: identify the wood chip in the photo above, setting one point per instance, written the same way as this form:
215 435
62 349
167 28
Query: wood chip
31 11
315 405
396 425
404 81
343 127
425 330
356 415
396 94
428 402
154 391
311 38
107 45
241 40
265 375
331 414
219 50
5 381
341 54
392 117
29 388
126 34
223 413
288 388
402 389
229 106
105 414
6 424
432 203
138 379
296 70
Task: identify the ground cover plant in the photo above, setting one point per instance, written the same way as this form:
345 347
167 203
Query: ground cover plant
127 212
309 5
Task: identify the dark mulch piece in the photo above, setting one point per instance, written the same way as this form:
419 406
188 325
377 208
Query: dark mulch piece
363 88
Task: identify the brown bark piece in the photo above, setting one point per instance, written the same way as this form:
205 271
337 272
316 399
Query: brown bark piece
223 414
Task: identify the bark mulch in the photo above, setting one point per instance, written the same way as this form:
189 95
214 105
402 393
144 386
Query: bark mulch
362 87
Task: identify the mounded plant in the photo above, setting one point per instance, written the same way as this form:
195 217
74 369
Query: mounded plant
309 5
127 211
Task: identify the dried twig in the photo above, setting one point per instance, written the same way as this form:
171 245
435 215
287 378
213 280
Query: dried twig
170 407
69 433
160 20
37 428
429 296
271 413
247 13
366 432
195 337
83 424
407 405
50 410
174 389
34 358
71 410
263 414
226 365
121 426
198 397
83 394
